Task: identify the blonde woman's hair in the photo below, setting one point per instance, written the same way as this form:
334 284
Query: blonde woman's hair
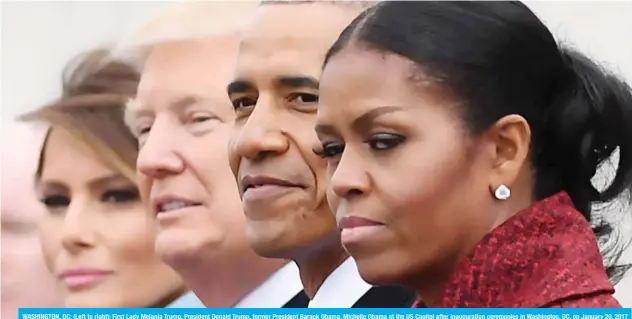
94 93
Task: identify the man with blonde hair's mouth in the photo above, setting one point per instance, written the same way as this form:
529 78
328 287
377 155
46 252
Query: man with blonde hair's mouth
182 119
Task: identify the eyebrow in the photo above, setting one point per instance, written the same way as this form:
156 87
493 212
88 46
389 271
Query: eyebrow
239 86
292 81
134 109
360 122
298 82
94 183
185 101
377 112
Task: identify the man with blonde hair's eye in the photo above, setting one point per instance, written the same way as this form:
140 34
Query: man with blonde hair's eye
182 119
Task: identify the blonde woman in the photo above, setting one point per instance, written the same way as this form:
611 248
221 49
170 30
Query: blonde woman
97 237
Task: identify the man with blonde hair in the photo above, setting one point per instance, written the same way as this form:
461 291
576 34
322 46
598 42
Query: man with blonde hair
182 118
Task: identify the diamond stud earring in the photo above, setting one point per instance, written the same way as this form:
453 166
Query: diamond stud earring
502 192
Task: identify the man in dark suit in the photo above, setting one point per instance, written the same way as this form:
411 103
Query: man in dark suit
282 181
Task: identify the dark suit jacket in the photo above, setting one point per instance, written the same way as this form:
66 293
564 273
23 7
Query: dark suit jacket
376 297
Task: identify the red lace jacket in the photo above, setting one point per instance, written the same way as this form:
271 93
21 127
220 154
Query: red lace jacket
545 256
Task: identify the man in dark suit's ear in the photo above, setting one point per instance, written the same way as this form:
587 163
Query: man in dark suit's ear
282 179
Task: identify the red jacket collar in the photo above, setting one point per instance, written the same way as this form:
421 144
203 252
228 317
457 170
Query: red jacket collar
545 253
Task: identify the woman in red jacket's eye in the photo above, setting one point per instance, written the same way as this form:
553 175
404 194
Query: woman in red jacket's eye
461 141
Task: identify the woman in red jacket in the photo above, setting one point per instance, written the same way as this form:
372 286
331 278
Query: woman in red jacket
461 142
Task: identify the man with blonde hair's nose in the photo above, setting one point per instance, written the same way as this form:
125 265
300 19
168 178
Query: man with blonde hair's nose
182 119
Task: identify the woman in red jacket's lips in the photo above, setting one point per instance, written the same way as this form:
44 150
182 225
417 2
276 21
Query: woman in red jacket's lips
461 141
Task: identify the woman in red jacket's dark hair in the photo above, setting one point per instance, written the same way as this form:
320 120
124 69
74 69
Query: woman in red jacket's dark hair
461 142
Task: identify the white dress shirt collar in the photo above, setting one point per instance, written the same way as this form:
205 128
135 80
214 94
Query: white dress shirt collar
342 289
275 291
188 300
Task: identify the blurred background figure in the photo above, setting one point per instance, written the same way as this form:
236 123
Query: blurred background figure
182 118
97 238
25 280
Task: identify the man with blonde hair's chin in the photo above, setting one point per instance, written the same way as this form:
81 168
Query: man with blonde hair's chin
182 118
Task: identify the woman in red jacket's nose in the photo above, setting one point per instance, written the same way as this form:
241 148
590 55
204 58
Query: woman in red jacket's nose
461 141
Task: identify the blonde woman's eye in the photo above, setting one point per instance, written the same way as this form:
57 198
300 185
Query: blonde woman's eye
53 201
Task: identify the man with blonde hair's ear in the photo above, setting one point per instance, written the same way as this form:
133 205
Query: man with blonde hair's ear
26 283
182 118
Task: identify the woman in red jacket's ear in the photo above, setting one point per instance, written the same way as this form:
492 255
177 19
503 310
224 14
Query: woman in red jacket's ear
461 142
